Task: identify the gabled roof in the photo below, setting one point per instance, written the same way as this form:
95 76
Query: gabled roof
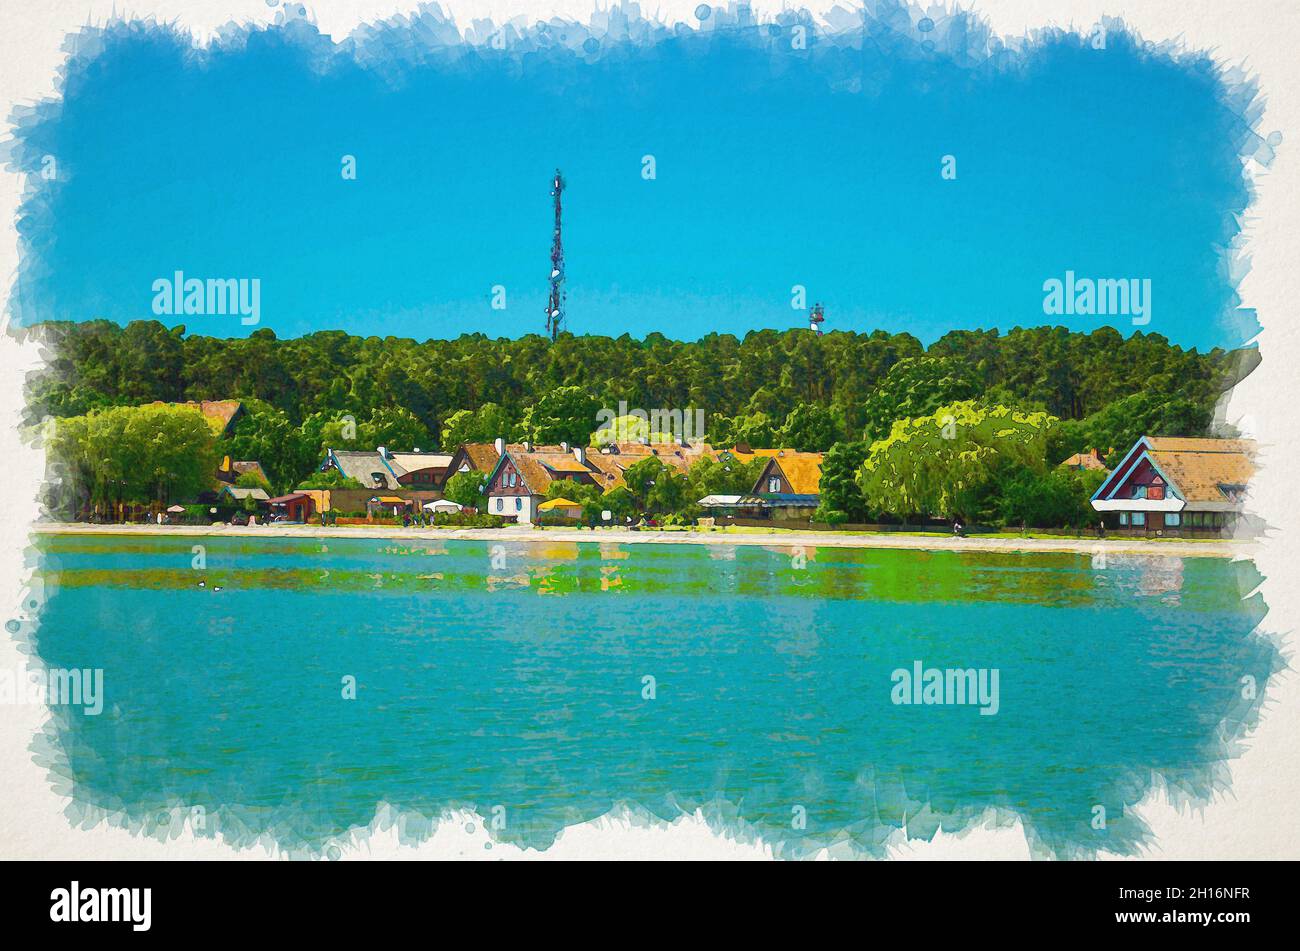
1197 469
1204 476
479 456
363 466
802 470
607 469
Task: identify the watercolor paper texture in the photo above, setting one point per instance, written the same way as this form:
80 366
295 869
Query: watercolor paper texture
818 428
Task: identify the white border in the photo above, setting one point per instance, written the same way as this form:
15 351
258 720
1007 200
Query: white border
1258 819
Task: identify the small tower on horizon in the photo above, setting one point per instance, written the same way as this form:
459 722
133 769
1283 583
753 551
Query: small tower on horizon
815 319
555 305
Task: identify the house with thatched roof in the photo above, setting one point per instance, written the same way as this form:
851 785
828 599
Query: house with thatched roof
518 482
1174 486
789 486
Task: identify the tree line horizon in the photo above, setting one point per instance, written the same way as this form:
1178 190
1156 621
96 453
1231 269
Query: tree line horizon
793 388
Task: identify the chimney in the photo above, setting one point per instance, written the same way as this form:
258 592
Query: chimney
500 445
679 440
644 440
564 446
580 453
528 445
383 453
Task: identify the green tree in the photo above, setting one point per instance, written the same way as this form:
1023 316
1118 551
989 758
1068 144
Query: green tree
465 488
939 465
723 476
395 429
1056 498
810 427
839 488
252 480
572 490
916 386
134 454
627 429
329 479
564 414
265 434
484 424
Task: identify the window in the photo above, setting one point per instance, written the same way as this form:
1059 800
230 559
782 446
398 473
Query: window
1139 518
1123 518
501 504
1172 520
519 503
774 484
1139 491
1156 492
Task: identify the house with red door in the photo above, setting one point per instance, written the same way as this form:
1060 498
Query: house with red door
1169 485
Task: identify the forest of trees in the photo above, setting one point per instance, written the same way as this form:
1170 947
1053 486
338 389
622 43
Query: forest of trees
790 388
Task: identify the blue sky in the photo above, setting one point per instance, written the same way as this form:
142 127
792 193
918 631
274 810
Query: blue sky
775 167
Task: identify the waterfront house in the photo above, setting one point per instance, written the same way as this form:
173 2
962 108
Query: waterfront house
1178 486
789 486
517 484
413 477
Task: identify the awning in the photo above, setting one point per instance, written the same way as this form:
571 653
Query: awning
558 504
712 501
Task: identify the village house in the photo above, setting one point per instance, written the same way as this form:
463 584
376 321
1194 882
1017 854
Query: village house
517 484
390 481
1178 486
789 487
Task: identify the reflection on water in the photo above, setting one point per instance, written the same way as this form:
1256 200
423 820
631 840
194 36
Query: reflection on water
510 676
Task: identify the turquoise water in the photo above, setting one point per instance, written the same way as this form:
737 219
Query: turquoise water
509 679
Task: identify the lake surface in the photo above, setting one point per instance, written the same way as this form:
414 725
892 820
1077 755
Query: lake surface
510 679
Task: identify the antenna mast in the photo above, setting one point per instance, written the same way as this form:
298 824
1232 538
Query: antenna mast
555 306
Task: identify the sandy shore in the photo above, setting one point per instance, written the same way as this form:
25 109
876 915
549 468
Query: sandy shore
1210 549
